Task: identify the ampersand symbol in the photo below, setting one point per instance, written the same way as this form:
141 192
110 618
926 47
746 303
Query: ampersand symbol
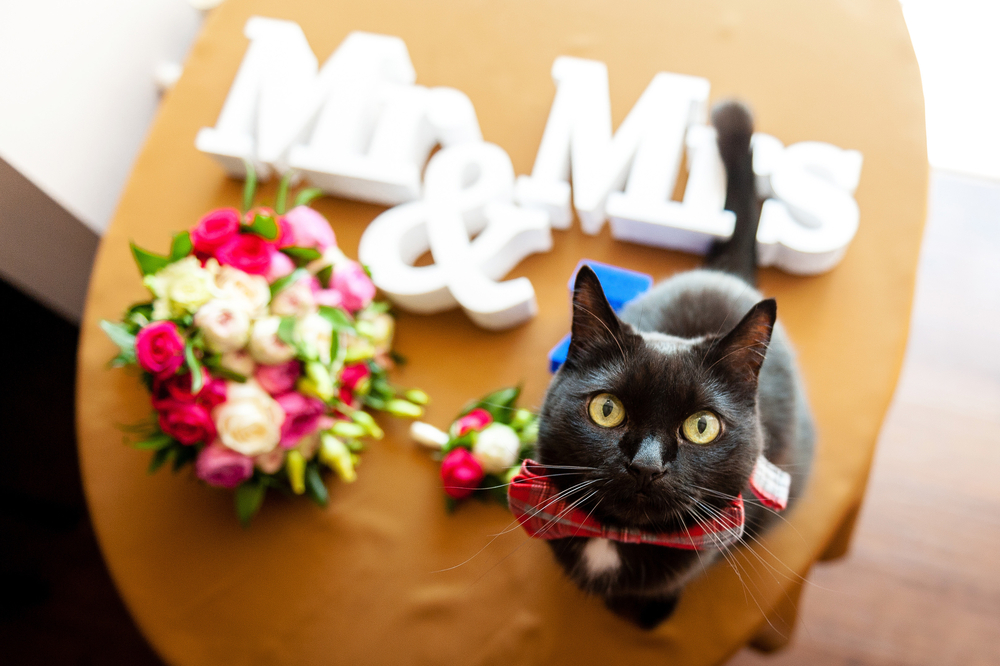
468 190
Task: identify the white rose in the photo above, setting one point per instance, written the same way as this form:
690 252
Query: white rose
249 421
225 325
295 300
238 361
265 346
315 334
250 291
496 448
184 286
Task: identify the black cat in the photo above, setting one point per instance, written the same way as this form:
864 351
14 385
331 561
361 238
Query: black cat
656 421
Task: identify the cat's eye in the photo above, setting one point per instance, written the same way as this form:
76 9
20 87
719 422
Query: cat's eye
606 410
702 427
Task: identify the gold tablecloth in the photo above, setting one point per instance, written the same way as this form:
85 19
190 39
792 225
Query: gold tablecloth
375 578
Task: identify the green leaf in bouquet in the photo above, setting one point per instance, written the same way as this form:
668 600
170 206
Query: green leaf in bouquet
249 186
324 277
340 320
288 280
307 196
121 336
160 457
197 376
500 404
281 200
154 443
302 255
138 315
148 262
286 331
248 498
374 402
397 358
181 246
185 455
315 488
264 226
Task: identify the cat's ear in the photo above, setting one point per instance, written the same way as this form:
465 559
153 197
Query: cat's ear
595 324
742 350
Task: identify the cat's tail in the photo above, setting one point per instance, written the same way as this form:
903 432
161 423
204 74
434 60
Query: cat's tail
734 127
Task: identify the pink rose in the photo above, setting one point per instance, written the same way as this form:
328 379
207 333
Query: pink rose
160 348
310 229
475 420
281 265
355 287
461 473
214 230
302 416
187 422
278 379
248 252
222 467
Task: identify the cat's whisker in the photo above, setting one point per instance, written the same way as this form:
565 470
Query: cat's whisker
731 558
526 541
755 502
514 524
504 485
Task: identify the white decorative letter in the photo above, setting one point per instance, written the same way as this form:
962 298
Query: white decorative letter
645 151
807 226
467 191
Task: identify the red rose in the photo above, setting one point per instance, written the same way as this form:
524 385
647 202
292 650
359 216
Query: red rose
178 389
187 422
248 252
214 230
461 473
476 420
159 348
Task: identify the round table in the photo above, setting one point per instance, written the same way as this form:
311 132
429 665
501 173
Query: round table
384 575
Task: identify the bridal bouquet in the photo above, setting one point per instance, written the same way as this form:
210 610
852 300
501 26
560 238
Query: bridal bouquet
261 346
484 446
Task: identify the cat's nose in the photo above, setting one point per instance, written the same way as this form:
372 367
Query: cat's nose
645 473
647 463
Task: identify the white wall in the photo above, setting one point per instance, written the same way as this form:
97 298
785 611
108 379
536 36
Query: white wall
77 92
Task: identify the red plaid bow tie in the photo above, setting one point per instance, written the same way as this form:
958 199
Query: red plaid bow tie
537 504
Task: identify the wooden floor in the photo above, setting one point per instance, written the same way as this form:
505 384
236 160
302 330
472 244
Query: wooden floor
921 585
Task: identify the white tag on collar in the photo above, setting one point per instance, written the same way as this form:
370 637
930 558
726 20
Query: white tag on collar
770 484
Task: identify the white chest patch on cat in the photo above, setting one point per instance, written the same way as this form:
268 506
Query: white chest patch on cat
600 556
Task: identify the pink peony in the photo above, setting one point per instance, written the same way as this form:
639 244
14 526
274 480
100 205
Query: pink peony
160 348
286 237
278 379
475 420
214 230
248 252
355 287
187 422
310 229
219 466
302 415
461 473
354 374
329 297
280 266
